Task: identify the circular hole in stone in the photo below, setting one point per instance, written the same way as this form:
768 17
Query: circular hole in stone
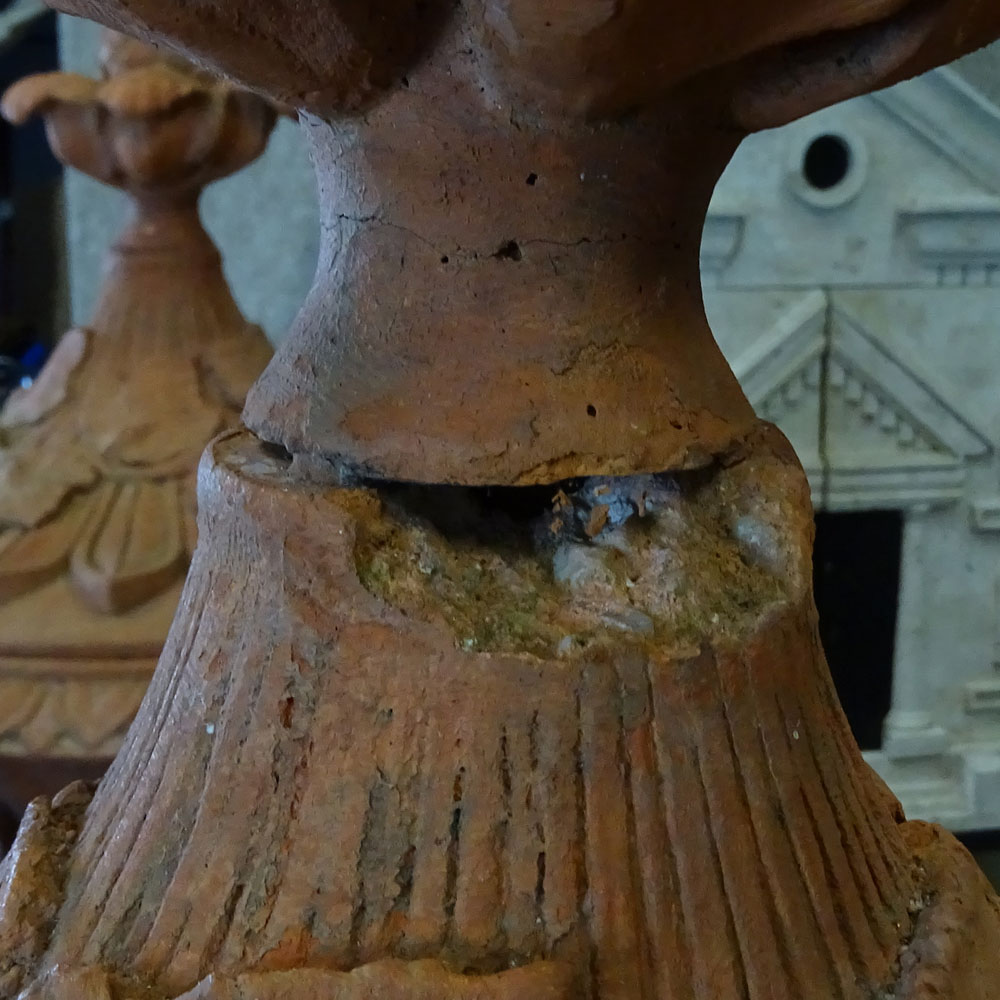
827 162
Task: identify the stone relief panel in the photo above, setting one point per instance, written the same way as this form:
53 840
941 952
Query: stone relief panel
852 274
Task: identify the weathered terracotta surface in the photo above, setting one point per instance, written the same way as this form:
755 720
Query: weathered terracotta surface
535 329
496 673
331 774
99 454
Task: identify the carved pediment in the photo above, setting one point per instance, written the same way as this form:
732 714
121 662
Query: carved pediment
893 396
929 200
953 118
870 426
776 368
721 241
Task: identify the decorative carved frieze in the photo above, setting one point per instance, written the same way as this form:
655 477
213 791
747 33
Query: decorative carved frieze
83 711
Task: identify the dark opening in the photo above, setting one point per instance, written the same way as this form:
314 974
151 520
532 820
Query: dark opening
985 847
8 828
856 576
31 242
827 162
509 251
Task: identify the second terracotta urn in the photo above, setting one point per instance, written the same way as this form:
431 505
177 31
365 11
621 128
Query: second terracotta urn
98 457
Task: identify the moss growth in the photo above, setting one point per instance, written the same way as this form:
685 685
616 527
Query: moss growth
661 560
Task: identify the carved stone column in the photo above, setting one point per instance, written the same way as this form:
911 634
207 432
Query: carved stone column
909 728
98 456
496 672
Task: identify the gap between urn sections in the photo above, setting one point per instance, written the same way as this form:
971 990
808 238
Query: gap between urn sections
665 561
506 342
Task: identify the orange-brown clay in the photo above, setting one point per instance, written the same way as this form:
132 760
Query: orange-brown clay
496 673
98 456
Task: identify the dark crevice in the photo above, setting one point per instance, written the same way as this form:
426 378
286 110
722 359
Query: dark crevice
276 451
540 885
509 251
372 833
404 879
452 859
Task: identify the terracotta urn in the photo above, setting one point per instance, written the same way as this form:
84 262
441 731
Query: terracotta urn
496 673
98 456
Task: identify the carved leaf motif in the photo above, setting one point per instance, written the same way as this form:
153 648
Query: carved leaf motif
153 119
31 557
43 729
32 490
246 127
75 135
20 700
67 716
96 459
35 93
133 549
151 149
143 427
50 389
148 90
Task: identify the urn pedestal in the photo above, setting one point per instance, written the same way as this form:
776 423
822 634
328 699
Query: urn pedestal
496 671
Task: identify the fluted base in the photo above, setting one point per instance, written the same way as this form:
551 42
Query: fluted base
332 789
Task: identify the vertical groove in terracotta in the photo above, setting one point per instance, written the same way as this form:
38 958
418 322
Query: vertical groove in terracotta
795 943
727 797
560 915
520 929
157 734
672 946
878 912
610 908
425 928
804 847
